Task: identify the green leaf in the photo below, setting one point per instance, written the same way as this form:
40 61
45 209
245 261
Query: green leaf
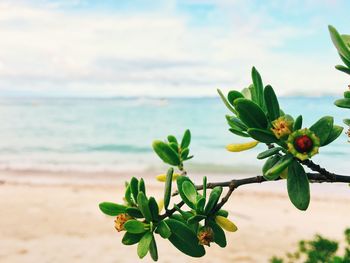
280 166
195 219
190 191
343 103
178 217
135 227
227 104
237 126
298 186
347 122
347 94
184 153
185 214
339 43
153 207
298 123
204 187
112 209
180 180
236 123
322 128
134 212
186 139
184 239
200 203
131 239
172 138
343 69
144 244
188 158
257 90
262 135
346 39
232 95
251 114
153 249
335 133
239 133
246 92
222 212
346 62
141 186
167 190
134 186
166 153
127 195
174 146
142 203
272 106
213 199
163 230
271 162
219 234
269 152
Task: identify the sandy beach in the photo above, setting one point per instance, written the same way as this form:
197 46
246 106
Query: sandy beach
58 220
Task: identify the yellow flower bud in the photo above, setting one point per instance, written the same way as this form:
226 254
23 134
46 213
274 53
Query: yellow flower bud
120 220
282 126
160 205
162 177
226 223
241 147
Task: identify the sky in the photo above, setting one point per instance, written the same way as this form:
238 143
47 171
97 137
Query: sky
165 48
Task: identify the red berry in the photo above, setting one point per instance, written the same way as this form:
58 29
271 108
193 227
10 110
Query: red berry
303 144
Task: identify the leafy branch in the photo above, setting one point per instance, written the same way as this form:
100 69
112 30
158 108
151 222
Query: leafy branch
199 219
235 183
342 44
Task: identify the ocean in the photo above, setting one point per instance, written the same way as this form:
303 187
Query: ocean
97 135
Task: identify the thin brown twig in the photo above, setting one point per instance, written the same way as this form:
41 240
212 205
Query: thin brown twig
235 183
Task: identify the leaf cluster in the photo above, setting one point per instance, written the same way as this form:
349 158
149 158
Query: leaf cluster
181 227
172 152
342 44
257 114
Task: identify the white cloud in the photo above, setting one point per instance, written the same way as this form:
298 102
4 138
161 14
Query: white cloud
47 50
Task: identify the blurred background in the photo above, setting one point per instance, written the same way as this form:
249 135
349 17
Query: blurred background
86 86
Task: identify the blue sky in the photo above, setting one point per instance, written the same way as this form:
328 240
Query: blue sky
168 48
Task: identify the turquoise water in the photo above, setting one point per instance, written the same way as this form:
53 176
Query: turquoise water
116 134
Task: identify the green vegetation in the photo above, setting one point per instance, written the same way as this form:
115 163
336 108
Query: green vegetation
318 250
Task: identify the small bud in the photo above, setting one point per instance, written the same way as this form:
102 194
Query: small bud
205 236
120 220
226 224
241 146
162 177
